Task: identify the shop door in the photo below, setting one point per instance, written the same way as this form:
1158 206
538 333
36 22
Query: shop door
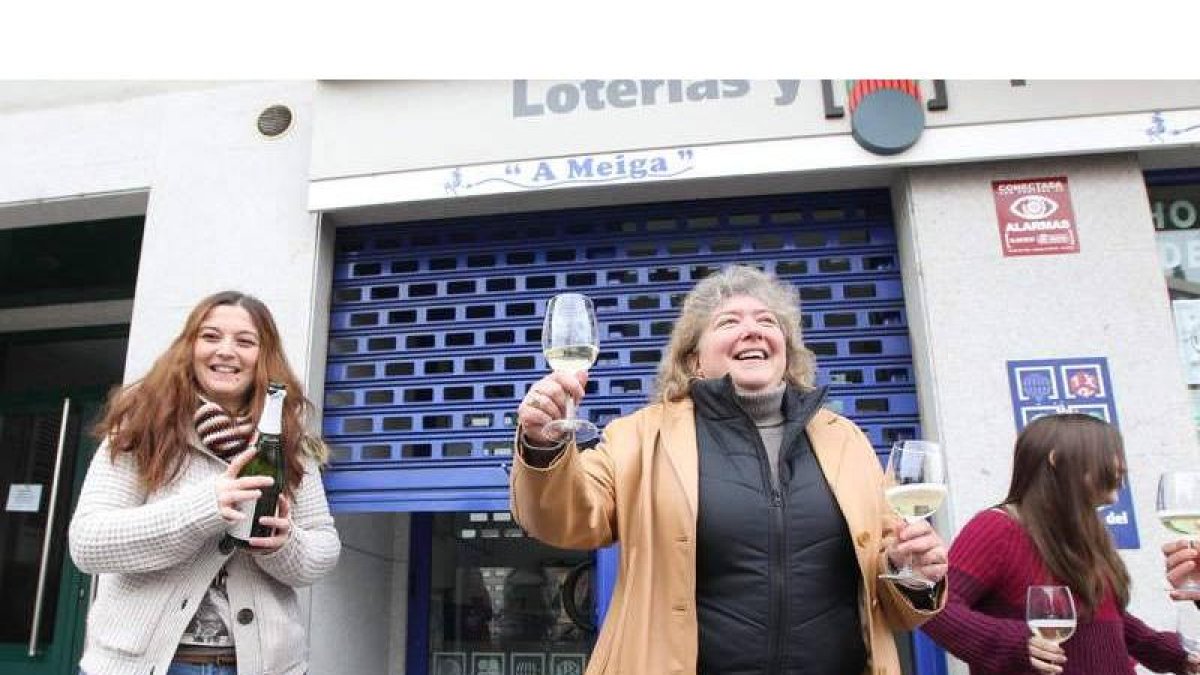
43 596
495 602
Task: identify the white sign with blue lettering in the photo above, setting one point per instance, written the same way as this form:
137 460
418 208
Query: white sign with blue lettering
620 167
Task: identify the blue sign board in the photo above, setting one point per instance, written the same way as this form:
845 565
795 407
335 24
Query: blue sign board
1050 386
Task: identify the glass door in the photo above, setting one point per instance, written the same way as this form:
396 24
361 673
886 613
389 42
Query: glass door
490 601
43 596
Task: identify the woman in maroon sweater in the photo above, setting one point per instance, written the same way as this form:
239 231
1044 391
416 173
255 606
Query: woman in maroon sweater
1047 532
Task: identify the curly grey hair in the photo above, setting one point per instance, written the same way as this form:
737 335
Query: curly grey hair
680 361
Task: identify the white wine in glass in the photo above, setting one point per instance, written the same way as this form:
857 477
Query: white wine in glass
1179 509
1050 612
571 342
916 487
915 501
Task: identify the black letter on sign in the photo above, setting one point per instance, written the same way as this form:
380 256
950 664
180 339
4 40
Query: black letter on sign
939 100
832 111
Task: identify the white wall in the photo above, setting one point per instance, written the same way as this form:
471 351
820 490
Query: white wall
971 310
359 612
226 206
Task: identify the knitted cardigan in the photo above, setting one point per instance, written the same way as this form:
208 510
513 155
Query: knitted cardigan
156 554
992 563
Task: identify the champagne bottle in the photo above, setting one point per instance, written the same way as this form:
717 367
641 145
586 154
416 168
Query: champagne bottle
268 461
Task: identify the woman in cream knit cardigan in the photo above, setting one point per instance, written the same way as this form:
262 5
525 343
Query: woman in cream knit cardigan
162 490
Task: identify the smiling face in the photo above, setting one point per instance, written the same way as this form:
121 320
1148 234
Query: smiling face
744 339
224 356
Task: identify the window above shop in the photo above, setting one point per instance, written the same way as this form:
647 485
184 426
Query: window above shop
71 262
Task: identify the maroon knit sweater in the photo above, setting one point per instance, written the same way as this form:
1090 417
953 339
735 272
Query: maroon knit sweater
992 563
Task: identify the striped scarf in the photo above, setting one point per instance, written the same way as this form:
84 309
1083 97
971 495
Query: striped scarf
223 434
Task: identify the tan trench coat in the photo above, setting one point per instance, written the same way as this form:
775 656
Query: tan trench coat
640 488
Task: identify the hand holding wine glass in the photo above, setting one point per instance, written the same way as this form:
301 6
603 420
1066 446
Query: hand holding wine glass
1179 511
1050 613
570 342
915 489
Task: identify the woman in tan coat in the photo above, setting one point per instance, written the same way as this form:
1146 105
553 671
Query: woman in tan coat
751 521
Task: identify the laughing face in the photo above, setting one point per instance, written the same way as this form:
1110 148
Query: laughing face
744 339
224 356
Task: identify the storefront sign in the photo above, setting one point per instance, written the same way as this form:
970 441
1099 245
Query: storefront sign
1035 216
1176 213
1082 385
887 115
621 167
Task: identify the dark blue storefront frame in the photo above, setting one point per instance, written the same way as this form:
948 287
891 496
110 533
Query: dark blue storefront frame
443 483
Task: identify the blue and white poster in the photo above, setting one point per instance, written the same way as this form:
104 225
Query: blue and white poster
1049 386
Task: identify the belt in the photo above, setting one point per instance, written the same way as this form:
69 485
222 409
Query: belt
210 659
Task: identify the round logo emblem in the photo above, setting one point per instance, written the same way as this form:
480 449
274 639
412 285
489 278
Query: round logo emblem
887 121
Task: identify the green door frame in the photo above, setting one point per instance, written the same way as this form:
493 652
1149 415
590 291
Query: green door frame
61 656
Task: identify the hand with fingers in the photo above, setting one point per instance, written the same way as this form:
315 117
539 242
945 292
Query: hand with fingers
1046 656
1182 557
547 401
231 490
919 542
280 523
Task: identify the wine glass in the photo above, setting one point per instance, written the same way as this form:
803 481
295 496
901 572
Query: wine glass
1179 509
1050 612
571 341
916 477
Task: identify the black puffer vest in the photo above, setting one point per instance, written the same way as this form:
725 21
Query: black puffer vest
777 579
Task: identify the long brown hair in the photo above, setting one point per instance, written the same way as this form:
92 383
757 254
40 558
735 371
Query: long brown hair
1061 467
152 418
678 365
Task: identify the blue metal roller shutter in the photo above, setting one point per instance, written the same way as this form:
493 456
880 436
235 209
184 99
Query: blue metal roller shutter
435 327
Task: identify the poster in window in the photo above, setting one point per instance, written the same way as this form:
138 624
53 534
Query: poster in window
528 664
1187 335
449 663
487 663
566 664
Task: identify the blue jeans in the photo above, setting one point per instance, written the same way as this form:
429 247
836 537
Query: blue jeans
195 669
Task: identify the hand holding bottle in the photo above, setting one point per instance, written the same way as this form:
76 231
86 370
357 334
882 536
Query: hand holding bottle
231 490
267 461
280 523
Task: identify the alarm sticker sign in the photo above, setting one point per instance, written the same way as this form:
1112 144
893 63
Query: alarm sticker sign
1035 216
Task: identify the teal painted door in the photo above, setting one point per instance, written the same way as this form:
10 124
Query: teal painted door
43 597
